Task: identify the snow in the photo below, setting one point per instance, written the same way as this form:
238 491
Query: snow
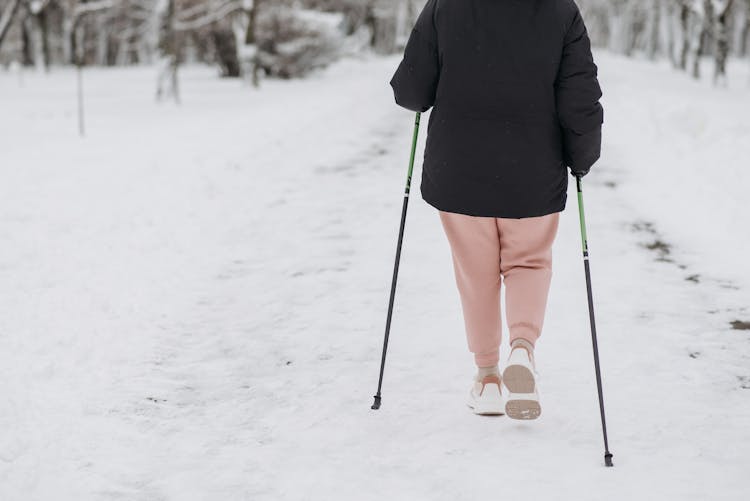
194 299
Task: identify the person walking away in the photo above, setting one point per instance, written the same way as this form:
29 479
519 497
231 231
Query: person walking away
515 102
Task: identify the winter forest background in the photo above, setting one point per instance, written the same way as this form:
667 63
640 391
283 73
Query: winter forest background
199 207
288 38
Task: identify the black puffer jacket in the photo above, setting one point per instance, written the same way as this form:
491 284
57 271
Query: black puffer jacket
516 100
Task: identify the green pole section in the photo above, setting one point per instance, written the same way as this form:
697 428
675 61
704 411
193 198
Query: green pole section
413 151
582 217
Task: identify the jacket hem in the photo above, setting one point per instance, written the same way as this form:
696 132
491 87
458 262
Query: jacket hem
500 213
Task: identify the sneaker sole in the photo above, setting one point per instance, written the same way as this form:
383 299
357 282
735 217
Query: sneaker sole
524 406
523 402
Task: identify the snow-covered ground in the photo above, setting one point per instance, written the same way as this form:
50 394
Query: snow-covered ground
193 299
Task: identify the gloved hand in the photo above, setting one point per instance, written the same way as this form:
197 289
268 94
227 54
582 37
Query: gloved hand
579 173
581 151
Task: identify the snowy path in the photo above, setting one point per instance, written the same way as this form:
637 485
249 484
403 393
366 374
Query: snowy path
200 317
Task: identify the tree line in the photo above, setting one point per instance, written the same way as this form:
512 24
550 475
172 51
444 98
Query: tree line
288 38
685 32
43 33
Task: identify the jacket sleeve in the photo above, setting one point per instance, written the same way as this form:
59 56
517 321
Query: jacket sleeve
416 78
577 93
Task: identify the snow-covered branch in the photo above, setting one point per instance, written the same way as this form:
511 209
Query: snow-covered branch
210 17
721 7
82 9
198 8
37 6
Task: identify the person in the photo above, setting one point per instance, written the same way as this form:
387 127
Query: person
515 102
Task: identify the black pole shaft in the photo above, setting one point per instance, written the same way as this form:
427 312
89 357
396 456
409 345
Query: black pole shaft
376 403
587 269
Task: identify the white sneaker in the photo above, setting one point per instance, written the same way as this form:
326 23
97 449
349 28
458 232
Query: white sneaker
486 396
519 377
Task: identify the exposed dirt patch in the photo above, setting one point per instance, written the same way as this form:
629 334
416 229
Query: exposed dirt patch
644 226
740 325
658 245
662 248
663 251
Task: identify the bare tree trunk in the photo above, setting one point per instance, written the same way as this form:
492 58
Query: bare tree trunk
654 21
67 39
701 39
102 42
745 31
123 48
670 8
44 35
79 50
168 46
370 21
7 16
685 29
413 11
77 38
27 46
251 49
143 51
621 35
225 46
722 40
406 16
37 42
34 35
383 27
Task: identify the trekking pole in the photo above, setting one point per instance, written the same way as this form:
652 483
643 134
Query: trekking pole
376 404
585 244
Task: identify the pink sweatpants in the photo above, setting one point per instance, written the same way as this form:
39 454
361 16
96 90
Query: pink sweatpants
486 250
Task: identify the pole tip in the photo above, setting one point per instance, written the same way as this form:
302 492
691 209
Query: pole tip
376 404
608 459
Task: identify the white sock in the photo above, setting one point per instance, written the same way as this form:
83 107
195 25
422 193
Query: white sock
486 371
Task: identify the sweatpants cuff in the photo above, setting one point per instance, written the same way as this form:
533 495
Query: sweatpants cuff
524 331
489 359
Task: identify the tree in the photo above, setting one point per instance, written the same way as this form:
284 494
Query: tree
685 36
167 81
745 32
248 52
704 16
654 26
6 17
721 8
